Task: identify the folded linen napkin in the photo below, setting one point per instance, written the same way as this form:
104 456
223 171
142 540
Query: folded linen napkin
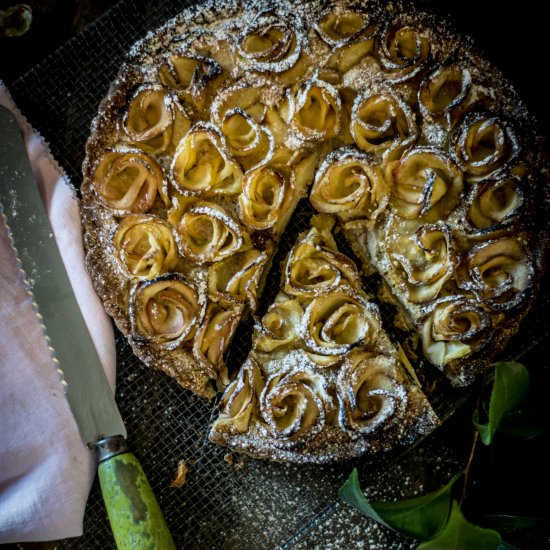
46 471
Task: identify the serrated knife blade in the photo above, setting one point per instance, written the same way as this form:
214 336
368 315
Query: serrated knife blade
134 514
70 343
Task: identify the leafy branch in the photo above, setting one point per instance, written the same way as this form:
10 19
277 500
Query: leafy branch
436 518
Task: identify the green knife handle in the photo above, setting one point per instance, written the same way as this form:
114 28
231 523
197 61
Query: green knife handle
135 516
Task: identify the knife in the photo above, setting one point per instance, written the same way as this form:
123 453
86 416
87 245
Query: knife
134 514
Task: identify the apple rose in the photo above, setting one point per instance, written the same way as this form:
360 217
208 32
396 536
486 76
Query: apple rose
484 143
251 144
349 34
455 327
154 120
494 203
236 279
446 88
240 399
190 75
165 311
246 96
294 406
213 338
403 49
267 104
350 184
371 393
270 45
499 272
203 166
382 124
266 198
425 182
127 180
317 111
199 43
145 246
337 320
426 259
339 27
279 327
207 232
314 265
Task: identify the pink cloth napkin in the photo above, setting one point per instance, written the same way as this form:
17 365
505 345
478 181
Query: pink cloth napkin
45 469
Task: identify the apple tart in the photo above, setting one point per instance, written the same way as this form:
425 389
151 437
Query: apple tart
322 380
217 125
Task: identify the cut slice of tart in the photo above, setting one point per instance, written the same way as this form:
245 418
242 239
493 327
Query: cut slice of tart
323 381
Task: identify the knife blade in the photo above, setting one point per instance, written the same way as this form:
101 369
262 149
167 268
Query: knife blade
134 514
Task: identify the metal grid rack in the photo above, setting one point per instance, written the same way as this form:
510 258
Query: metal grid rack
264 504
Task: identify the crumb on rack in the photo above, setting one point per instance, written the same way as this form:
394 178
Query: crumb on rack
228 458
237 463
180 475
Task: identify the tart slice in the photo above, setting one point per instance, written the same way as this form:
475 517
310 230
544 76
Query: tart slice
323 381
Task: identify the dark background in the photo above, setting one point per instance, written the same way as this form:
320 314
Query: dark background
509 477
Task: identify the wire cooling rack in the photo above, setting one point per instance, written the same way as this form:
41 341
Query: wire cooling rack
225 503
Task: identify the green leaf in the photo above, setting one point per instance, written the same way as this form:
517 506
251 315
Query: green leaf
351 493
420 518
483 429
459 534
509 388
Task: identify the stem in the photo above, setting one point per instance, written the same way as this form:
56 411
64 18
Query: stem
474 446
468 466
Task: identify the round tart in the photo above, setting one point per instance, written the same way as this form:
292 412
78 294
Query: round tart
221 121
